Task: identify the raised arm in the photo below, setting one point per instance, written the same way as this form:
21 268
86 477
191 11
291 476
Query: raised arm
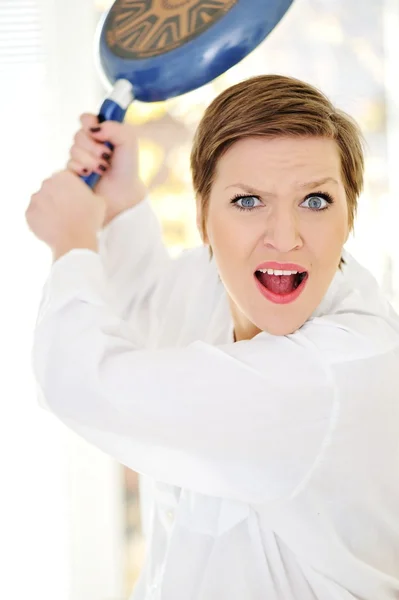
135 261
130 244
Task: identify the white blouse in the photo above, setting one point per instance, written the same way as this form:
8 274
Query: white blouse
275 460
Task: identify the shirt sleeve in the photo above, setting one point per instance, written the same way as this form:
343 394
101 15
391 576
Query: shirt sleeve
135 259
248 421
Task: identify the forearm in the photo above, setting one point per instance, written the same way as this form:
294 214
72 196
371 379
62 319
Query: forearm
135 260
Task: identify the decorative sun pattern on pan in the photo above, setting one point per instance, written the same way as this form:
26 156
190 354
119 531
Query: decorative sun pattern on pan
138 29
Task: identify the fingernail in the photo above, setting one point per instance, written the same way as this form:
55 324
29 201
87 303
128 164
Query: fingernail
95 129
106 156
102 168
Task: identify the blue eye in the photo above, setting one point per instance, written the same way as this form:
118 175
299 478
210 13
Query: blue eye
318 202
248 202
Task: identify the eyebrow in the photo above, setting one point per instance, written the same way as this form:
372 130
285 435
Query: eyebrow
307 185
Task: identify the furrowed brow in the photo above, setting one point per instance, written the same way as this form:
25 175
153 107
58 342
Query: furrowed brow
308 185
250 190
318 183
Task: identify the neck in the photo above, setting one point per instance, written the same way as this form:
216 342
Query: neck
243 328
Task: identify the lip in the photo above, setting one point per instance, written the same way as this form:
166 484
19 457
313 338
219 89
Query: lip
278 298
281 267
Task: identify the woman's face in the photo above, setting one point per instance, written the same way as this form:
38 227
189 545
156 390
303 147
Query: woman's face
277 205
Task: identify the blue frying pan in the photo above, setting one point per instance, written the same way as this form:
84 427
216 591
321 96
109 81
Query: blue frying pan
152 50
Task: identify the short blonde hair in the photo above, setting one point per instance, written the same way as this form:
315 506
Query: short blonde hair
273 106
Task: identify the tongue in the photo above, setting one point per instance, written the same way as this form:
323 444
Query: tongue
278 284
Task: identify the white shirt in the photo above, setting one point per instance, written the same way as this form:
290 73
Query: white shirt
276 460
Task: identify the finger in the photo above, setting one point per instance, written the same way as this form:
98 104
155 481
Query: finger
97 149
77 168
88 120
88 161
83 163
117 134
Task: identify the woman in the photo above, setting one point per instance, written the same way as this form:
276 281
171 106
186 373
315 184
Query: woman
258 389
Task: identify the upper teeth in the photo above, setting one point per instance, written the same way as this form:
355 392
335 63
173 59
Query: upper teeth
277 272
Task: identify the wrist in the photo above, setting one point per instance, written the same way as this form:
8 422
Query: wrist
138 195
89 243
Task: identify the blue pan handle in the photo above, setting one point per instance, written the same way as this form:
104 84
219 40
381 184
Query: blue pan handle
113 108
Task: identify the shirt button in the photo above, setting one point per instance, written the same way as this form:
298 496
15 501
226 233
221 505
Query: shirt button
170 515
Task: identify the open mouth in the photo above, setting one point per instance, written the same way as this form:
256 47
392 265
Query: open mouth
281 284
283 288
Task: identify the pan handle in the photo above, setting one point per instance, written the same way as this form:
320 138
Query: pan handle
113 108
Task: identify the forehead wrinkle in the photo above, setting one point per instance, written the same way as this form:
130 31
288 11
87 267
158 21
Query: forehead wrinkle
309 184
317 183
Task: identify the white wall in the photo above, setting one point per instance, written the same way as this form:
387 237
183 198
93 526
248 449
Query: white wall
60 505
390 224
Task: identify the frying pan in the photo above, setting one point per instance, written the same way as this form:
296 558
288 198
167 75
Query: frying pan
153 50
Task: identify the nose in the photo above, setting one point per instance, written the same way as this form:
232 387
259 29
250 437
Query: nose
282 231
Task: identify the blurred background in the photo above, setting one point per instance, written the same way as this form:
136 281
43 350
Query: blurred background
71 518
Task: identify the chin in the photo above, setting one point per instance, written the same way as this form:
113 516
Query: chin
283 329
280 325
